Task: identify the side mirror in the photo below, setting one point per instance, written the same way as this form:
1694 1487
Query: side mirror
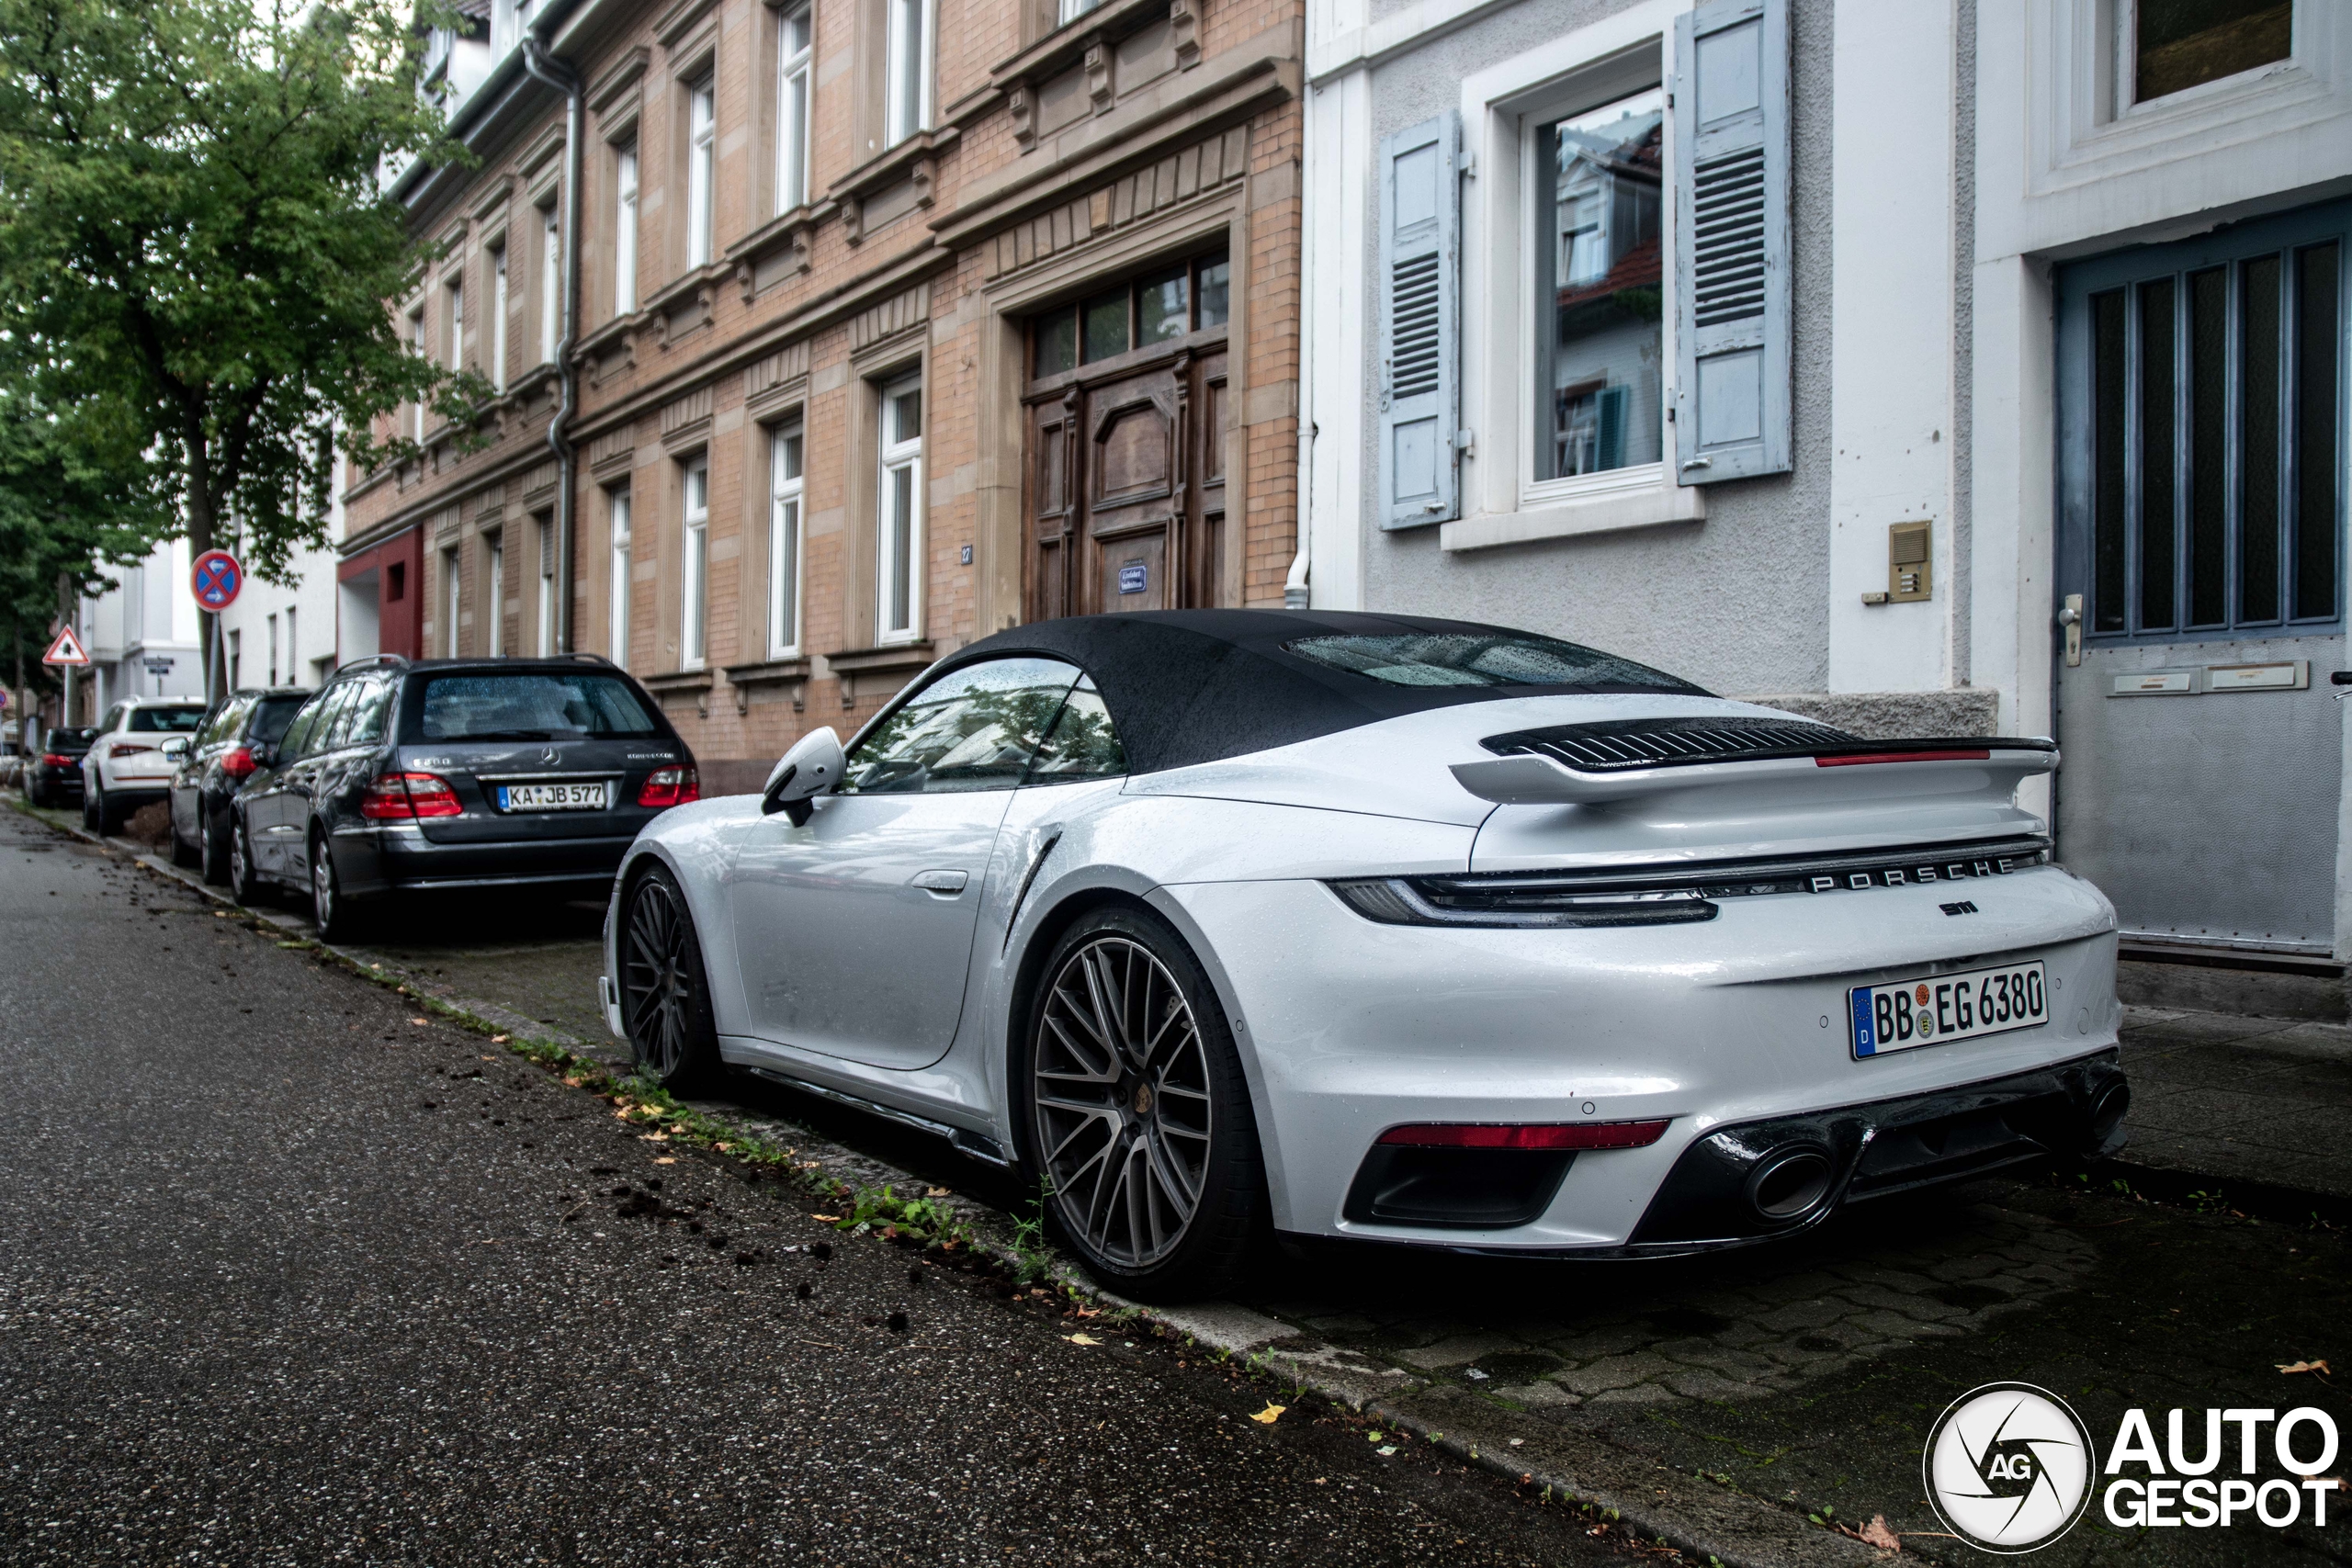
176 748
265 753
810 769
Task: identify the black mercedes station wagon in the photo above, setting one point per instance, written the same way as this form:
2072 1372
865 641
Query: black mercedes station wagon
415 776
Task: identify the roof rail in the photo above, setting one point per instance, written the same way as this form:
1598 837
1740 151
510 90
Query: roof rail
587 658
371 659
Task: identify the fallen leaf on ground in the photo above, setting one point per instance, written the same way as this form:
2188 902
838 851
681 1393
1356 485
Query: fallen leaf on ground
1081 1339
667 1159
499 1038
1269 1414
1878 1535
829 1219
2319 1367
937 1193
419 1022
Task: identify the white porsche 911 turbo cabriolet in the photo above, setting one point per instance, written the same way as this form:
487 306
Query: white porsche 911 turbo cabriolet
1386 928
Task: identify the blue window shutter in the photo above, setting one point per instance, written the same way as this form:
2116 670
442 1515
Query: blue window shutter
1731 250
1420 353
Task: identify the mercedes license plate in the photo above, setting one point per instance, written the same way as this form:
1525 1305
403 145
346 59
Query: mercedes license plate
1947 1007
554 797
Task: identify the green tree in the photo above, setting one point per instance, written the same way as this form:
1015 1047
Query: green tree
197 247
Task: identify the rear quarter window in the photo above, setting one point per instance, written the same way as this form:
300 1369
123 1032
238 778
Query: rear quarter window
271 717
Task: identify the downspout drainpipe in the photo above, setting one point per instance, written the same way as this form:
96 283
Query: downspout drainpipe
547 68
1297 594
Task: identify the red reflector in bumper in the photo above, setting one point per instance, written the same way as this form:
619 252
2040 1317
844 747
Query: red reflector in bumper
1902 757
1556 1136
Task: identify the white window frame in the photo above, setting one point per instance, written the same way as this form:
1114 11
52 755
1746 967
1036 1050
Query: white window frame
273 647
617 503
702 154
497 543
625 189
1071 10
898 456
550 284
694 565
451 602
416 409
795 37
452 296
787 464
1502 107
546 642
908 66
498 306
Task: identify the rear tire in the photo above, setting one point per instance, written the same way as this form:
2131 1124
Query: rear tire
665 990
90 795
215 849
329 910
244 887
183 852
1135 1112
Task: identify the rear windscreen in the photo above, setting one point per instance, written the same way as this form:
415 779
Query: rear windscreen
272 717
534 706
164 721
1461 658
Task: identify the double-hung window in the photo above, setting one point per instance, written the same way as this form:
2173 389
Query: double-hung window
785 452
625 231
498 319
1601 390
694 563
546 642
457 346
449 645
416 408
616 599
795 36
702 130
497 594
899 534
550 285
907 98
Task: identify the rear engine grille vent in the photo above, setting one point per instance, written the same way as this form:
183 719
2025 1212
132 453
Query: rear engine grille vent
1618 744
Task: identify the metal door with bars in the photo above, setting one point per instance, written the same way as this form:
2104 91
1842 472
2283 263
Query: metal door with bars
2202 449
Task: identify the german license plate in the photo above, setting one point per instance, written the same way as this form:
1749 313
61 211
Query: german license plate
554 797
1947 1007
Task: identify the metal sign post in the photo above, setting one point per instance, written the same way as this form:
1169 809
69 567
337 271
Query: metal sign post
216 580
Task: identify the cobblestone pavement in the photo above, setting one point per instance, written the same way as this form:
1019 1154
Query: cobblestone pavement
1801 1379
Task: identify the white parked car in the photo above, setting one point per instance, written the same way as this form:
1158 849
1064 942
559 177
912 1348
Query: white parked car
1381 927
125 767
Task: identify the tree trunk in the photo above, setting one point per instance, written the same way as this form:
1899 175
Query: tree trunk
200 520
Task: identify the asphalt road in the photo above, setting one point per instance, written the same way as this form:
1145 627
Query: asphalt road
287 1277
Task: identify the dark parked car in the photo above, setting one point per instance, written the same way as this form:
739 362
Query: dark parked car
214 763
456 775
53 775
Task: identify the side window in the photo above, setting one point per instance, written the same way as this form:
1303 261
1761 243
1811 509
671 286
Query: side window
1082 743
972 728
113 717
298 734
347 698
368 713
271 719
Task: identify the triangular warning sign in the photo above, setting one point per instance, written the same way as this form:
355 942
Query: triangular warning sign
66 649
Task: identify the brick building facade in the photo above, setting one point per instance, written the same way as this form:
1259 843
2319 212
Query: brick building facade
892 323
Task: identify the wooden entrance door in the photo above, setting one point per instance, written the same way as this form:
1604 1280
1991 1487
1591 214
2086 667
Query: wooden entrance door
1125 466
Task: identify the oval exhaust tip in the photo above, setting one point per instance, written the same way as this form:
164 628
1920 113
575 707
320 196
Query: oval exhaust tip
1790 1184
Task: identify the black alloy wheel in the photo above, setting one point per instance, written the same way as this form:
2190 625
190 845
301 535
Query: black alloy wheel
244 884
1139 1117
665 994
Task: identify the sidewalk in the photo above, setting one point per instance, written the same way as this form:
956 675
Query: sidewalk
1715 1403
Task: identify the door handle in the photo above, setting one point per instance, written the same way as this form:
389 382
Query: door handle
2071 617
946 884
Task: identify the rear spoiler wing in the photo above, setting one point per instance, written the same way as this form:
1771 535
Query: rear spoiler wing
1936 766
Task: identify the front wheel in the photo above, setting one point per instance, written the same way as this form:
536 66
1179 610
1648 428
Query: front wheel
665 991
1139 1115
91 796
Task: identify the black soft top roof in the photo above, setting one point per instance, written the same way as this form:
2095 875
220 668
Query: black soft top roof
1190 686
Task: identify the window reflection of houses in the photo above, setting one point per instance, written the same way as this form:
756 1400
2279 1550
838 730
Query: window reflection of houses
1604 375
